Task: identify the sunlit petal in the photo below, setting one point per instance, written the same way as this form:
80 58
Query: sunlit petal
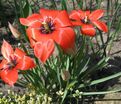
49 13
101 25
25 63
19 53
75 15
97 14
6 50
34 21
62 20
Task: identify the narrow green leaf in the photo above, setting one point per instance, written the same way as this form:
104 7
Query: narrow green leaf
63 4
102 80
100 93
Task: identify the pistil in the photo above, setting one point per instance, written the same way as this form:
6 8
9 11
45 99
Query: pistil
46 27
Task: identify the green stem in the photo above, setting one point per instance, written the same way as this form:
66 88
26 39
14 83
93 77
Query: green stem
103 43
92 47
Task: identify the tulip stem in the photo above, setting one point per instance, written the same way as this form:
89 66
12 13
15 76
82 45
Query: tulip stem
92 46
103 43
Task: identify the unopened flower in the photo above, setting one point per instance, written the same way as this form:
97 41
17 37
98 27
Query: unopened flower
88 20
65 75
14 31
43 50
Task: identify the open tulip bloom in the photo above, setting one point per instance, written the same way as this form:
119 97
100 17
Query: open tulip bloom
88 21
12 62
50 24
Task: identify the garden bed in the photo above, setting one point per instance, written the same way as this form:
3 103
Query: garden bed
114 64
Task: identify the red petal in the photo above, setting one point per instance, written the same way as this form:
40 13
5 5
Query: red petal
62 19
34 21
76 23
3 64
97 14
19 53
49 13
78 15
88 30
25 63
75 15
66 38
101 25
9 76
83 14
6 50
43 50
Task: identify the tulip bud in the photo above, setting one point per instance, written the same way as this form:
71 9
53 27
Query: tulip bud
14 31
65 75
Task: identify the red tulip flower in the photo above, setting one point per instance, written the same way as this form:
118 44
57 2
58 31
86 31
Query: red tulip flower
12 61
88 21
50 24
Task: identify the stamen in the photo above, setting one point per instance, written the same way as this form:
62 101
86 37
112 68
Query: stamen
47 26
86 19
12 63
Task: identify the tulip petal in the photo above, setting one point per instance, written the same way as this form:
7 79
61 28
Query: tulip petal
25 63
6 50
101 25
79 15
83 14
49 13
19 54
76 23
75 15
62 20
43 50
88 30
3 64
33 21
66 38
97 14
9 76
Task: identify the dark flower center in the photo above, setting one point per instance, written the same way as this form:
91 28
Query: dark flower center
13 62
85 20
47 26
